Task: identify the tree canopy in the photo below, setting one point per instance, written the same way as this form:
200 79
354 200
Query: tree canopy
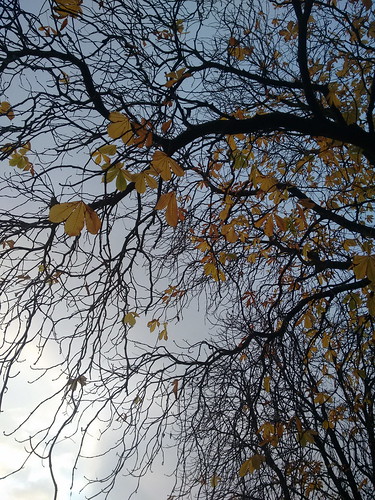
163 156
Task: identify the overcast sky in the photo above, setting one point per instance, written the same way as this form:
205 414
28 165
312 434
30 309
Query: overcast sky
34 481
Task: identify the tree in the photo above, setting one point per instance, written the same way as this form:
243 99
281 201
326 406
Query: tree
158 153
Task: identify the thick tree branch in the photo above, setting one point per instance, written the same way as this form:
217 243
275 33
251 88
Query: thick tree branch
277 122
14 56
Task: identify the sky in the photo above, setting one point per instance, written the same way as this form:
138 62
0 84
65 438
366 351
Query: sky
34 480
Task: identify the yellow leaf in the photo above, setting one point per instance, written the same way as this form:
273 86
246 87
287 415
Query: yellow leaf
171 214
252 464
244 469
364 266
268 227
214 481
21 161
111 173
328 425
348 243
164 166
330 355
93 223
203 246
210 269
163 201
240 52
142 180
75 214
103 153
308 319
129 318
66 8
332 99
228 231
236 51
108 149
266 183
326 340
290 32
143 134
175 76
371 304
75 222
153 324
121 182
257 461
120 127
6 109
267 384
282 224
61 211
306 437
163 334
168 201
306 203
322 398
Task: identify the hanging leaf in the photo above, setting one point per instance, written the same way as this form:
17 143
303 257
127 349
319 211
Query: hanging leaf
175 388
364 266
306 437
210 269
165 166
176 76
75 222
252 464
282 224
103 153
142 180
143 134
322 398
130 318
120 127
66 8
168 201
267 384
229 232
75 214
153 324
163 334
117 172
19 159
9 243
121 182
6 109
93 223
235 50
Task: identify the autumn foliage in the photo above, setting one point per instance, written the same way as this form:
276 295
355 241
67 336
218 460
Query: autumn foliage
179 153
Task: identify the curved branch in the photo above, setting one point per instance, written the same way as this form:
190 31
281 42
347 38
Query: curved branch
277 122
66 57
